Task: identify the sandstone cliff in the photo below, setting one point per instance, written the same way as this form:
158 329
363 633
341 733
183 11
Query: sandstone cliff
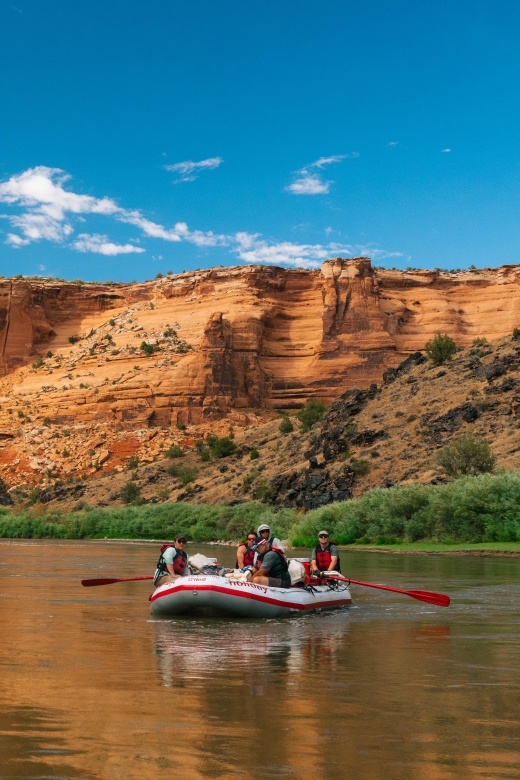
230 345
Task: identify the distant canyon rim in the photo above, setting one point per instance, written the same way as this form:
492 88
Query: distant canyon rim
227 346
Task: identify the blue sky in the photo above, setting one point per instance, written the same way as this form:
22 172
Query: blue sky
141 137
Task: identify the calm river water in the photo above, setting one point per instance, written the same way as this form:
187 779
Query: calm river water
91 687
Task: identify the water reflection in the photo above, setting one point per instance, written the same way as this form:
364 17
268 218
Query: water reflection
205 649
93 687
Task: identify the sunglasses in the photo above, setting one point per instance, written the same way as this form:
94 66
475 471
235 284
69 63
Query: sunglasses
251 538
179 542
323 536
265 531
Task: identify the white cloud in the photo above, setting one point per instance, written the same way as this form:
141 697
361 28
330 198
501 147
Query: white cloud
393 143
101 245
16 241
47 209
311 183
187 167
252 249
446 150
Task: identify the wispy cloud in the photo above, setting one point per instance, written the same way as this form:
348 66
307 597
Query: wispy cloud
446 150
309 182
393 143
101 245
187 168
251 248
48 210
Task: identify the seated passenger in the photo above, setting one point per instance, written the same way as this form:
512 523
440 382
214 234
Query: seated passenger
271 567
265 532
325 556
245 555
173 562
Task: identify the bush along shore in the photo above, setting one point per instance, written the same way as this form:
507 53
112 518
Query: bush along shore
472 509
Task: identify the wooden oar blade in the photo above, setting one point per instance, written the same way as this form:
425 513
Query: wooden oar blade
440 599
99 581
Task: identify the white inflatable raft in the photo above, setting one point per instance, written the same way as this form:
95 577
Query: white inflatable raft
209 594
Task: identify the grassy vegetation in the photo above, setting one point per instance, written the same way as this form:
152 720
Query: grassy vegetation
482 509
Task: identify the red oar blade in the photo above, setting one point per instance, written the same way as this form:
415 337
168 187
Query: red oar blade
110 580
440 599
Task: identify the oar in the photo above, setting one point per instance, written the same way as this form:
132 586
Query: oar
440 599
111 580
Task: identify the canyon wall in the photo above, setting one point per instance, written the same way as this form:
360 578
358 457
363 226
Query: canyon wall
246 338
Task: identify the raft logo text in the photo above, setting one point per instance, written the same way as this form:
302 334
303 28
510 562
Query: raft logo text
248 585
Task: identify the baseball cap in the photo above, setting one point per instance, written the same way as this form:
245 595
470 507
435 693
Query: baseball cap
258 541
263 527
181 538
323 533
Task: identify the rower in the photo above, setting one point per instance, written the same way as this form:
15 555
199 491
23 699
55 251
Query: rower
271 567
325 556
173 562
245 555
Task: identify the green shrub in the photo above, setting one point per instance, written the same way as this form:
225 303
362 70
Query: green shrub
311 413
440 349
360 467
286 425
254 454
38 363
202 451
221 448
263 491
516 334
130 493
148 349
180 426
49 354
73 339
46 420
174 452
469 454
186 475
133 463
480 342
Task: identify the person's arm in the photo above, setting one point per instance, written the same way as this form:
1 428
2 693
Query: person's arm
240 556
314 565
333 558
169 556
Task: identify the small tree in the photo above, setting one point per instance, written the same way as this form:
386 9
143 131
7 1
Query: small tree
286 425
148 349
311 413
441 348
254 454
469 454
516 334
221 448
174 452
131 493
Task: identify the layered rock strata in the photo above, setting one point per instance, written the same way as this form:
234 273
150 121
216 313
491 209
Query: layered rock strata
222 346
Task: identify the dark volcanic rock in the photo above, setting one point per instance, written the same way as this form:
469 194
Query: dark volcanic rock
310 489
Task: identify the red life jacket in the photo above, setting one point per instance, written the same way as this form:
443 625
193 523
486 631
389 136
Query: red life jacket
179 562
323 558
249 556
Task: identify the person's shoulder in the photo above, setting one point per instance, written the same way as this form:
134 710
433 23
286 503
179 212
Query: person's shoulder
333 548
169 554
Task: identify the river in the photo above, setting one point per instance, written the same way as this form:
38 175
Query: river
92 687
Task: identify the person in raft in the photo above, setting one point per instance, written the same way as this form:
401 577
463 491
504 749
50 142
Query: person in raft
265 532
173 562
245 555
325 556
271 567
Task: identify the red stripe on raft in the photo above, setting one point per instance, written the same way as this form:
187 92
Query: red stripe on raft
255 597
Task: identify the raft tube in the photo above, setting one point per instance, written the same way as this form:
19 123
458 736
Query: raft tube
221 596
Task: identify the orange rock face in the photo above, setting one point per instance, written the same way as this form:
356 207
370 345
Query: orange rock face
225 344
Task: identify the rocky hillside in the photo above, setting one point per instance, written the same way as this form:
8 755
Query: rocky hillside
385 435
94 375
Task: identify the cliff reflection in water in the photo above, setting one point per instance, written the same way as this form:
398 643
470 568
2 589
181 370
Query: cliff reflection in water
92 687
